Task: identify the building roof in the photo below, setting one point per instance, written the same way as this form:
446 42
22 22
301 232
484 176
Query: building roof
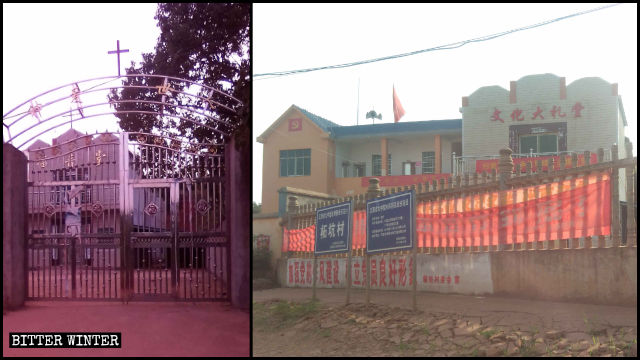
356 131
323 123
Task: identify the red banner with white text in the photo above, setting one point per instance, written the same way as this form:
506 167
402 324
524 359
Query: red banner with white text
488 165
561 210
554 211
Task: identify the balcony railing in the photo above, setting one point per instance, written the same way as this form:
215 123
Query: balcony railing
469 164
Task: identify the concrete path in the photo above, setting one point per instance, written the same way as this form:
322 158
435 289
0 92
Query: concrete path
148 328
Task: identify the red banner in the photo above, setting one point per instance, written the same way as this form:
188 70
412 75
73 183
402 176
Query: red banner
551 211
404 180
563 213
488 165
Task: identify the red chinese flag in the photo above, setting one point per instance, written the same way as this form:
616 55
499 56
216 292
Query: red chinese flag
398 111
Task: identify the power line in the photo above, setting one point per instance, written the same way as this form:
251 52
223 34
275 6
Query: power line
441 47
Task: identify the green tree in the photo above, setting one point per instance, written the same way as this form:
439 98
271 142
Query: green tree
206 43
256 207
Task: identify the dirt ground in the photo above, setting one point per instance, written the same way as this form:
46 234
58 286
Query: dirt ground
178 329
286 323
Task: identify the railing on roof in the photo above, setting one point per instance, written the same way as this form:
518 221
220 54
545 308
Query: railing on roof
467 164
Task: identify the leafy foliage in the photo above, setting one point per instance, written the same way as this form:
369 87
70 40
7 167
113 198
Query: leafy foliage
261 262
207 43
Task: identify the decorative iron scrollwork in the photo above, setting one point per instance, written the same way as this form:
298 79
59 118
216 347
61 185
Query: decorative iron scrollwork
40 156
175 144
34 110
71 161
203 206
49 210
99 156
96 209
75 95
157 140
151 209
163 89
213 149
141 138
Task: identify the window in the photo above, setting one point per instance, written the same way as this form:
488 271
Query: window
428 162
345 169
58 193
295 162
539 143
538 138
376 161
359 169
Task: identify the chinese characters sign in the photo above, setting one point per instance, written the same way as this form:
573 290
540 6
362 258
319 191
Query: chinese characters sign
440 273
333 225
555 112
390 223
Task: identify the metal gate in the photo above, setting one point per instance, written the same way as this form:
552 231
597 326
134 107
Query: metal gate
128 216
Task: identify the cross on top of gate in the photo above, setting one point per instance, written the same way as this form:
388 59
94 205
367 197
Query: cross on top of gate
117 52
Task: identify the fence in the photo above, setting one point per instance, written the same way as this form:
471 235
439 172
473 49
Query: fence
462 164
528 206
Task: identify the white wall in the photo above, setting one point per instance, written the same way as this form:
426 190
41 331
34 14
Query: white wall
468 273
401 149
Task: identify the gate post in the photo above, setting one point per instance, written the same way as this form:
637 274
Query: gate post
126 273
505 168
238 214
14 227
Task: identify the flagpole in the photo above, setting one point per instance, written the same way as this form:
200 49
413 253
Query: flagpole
358 110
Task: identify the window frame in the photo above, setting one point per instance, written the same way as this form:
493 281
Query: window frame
425 157
375 160
292 157
538 137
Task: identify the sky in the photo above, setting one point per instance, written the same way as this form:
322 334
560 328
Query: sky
429 85
48 45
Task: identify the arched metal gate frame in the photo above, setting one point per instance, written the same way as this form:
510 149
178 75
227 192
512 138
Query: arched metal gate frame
127 215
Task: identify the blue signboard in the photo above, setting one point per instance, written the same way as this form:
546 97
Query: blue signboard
391 223
333 228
